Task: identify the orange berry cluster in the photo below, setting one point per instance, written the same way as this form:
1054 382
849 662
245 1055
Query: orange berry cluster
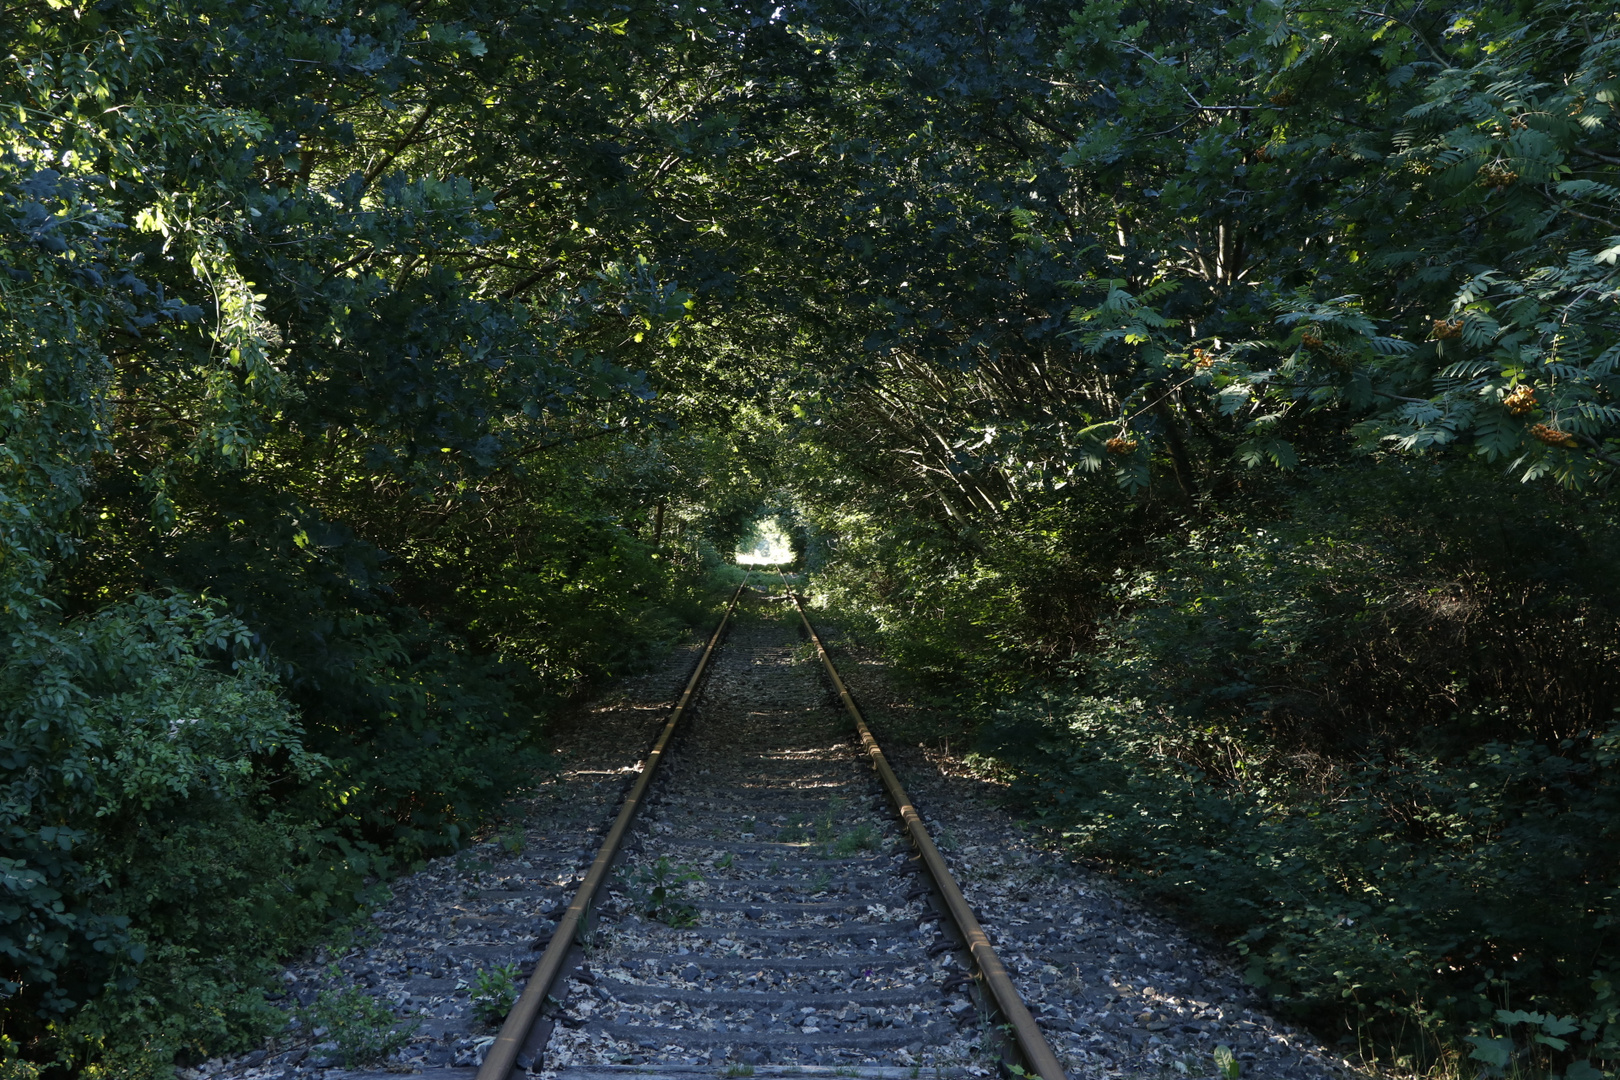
1552 436
1121 445
1521 400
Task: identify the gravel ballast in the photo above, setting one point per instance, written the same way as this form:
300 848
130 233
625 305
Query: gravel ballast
767 916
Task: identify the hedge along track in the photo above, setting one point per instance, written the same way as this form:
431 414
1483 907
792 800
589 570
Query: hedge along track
767 914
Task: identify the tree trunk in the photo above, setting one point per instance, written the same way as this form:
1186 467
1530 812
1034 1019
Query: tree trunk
1180 463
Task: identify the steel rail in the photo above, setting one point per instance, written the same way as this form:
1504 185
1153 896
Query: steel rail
502 1056
1032 1044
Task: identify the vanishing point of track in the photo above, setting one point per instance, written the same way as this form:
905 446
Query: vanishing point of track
824 933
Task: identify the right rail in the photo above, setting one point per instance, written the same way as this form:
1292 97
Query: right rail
1032 1045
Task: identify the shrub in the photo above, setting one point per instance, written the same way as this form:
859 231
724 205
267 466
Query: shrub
146 872
1373 744
1387 607
359 1027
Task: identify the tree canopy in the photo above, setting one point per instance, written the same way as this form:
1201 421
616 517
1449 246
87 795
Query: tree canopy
1223 397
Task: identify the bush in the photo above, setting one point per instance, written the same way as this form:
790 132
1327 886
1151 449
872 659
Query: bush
976 621
1374 745
1403 894
139 837
1387 607
359 1028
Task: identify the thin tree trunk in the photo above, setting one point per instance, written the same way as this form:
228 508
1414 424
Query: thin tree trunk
1179 461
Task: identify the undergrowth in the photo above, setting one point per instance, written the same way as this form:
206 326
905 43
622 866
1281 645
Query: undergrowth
1368 738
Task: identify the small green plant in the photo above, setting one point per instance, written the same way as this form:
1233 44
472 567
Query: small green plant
513 840
861 838
13 1067
739 1070
793 830
1227 1064
468 865
1506 1056
725 861
585 929
657 890
361 1027
822 880
494 991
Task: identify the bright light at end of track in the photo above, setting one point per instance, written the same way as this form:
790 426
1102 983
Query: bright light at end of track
765 545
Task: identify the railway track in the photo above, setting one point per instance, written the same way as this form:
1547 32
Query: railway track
767 900
761 910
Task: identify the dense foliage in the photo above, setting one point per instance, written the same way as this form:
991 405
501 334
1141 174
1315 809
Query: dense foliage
330 465
1198 358
1217 401
1371 743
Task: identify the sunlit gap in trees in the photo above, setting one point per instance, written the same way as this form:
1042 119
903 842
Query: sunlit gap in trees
765 544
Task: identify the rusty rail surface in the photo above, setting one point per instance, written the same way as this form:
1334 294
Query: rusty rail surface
1032 1044
503 1054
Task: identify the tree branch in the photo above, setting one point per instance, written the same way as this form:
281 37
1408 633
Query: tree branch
405 142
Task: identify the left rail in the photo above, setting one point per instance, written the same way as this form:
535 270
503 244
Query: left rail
502 1056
